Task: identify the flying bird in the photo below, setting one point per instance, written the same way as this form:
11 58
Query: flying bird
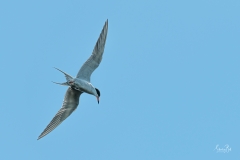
80 84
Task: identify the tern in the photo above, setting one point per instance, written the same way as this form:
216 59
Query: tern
80 84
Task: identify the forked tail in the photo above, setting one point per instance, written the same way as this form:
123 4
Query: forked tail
67 76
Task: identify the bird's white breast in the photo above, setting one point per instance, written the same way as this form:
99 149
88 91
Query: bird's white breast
84 86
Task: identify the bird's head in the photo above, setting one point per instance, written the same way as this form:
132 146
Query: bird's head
98 94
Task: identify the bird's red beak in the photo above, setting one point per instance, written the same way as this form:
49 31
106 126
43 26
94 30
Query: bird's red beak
98 99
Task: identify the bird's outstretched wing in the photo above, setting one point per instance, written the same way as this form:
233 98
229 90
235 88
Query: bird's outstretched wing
70 103
94 60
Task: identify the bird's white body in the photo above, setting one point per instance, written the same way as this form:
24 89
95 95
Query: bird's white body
84 86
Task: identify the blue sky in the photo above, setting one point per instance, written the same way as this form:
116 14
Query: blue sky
169 79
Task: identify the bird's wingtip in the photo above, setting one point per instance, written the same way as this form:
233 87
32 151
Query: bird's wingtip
41 136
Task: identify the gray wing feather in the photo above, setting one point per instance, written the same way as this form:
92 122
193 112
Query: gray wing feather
70 103
94 60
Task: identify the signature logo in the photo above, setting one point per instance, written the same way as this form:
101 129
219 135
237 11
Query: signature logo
225 149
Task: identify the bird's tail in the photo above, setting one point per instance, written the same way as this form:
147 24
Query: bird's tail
68 78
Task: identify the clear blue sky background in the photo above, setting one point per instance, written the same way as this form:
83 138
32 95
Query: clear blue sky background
169 79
